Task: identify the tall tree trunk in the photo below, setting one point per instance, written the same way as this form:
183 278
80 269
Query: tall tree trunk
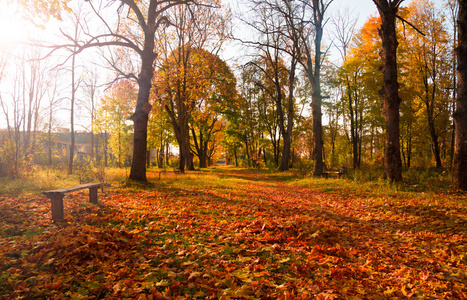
106 147
314 76
434 141
247 150
72 114
353 125
201 148
286 151
459 166
49 139
390 90
318 165
141 114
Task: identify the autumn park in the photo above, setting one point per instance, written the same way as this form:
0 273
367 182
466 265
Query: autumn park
252 149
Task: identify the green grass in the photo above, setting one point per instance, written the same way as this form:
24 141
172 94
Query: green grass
227 178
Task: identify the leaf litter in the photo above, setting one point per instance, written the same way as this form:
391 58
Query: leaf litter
250 239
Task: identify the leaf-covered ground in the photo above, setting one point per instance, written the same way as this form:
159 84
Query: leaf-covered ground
237 234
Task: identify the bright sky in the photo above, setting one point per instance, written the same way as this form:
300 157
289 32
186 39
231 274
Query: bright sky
365 8
13 29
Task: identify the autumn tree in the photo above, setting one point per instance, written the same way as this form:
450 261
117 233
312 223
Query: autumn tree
270 79
112 116
160 135
146 18
452 7
459 166
388 10
246 124
215 91
311 58
198 31
428 71
75 84
350 77
277 46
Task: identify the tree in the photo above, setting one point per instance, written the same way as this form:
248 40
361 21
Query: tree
459 166
361 77
245 126
160 134
146 17
351 70
278 35
74 88
390 91
195 95
46 8
269 76
311 59
112 117
215 91
427 72
197 32
453 12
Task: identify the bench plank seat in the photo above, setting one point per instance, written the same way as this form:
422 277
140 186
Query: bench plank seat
56 197
175 171
327 173
74 188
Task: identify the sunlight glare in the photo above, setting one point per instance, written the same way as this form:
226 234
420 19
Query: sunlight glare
13 28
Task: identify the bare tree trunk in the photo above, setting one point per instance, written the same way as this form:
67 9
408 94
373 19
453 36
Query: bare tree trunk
141 116
313 70
318 165
49 138
286 151
459 166
390 91
72 113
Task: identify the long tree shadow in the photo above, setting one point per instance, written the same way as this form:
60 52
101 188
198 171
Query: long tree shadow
251 175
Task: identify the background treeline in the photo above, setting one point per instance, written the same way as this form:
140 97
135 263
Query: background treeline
253 113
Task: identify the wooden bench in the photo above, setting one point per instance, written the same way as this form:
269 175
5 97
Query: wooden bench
56 197
176 171
339 173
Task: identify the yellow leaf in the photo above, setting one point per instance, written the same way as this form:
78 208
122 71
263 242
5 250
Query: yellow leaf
163 283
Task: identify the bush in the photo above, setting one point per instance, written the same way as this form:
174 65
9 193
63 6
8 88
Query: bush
89 170
8 167
303 167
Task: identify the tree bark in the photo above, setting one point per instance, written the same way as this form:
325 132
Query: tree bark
313 70
390 90
141 115
290 115
72 113
459 166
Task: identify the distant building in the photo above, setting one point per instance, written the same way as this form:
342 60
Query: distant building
83 143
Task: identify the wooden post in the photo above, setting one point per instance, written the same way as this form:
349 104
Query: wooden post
93 194
57 206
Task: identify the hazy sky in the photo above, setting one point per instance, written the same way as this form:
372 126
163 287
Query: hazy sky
365 8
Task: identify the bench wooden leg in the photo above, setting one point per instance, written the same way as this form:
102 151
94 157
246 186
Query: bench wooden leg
57 206
93 195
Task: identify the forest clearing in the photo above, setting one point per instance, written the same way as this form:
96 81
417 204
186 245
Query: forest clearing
231 233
